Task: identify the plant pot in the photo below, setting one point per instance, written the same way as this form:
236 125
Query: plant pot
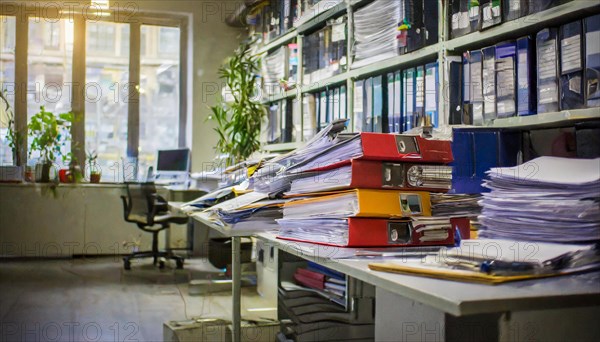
42 172
95 178
65 176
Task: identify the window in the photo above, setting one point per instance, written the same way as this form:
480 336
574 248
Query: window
106 106
101 37
7 79
54 71
159 96
50 68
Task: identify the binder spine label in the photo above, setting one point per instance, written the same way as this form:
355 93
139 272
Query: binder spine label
407 144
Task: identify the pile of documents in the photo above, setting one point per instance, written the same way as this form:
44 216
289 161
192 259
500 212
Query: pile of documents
370 190
494 261
548 199
375 29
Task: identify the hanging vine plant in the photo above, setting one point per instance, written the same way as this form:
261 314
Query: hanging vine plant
238 120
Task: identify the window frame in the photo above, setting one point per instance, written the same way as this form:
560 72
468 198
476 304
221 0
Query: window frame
135 19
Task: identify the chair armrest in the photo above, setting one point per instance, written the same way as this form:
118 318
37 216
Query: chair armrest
159 205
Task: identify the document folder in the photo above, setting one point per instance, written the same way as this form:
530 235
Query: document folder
397 109
390 104
408 97
368 174
547 77
514 9
488 79
506 73
373 232
592 61
360 203
476 150
476 68
359 104
571 66
378 104
455 90
431 93
526 77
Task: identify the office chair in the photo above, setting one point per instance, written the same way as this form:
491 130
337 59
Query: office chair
144 207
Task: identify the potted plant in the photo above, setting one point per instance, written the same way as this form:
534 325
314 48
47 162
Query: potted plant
95 173
238 121
49 134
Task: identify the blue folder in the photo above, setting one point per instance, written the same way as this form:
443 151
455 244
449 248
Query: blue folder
592 61
526 77
571 66
547 71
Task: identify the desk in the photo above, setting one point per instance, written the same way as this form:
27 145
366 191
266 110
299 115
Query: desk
458 299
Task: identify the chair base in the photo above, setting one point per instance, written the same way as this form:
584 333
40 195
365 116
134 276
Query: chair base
157 259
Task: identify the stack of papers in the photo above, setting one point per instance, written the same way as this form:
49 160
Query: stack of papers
492 261
375 30
455 205
547 199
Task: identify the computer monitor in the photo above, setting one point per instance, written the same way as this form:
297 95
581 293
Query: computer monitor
173 162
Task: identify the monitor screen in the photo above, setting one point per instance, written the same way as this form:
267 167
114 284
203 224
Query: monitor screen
173 160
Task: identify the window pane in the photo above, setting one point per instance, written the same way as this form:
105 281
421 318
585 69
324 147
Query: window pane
106 106
159 96
7 79
50 57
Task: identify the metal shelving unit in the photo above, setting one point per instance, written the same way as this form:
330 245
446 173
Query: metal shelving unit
445 47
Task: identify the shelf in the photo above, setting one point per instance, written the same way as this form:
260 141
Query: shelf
414 57
321 12
547 119
525 25
281 147
290 35
326 82
281 96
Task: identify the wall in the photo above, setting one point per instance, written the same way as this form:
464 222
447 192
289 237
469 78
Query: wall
212 42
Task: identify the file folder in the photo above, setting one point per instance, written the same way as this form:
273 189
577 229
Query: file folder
571 66
378 104
397 108
360 203
547 68
432 80
416 32
390 103
460 23
368 122
373 232
506 73
514 9
379 146
408 97
536 6
474 15
323 107
343 103
336 104
488 79
467 89
331 103
491 13
430 22
592 60
359 104
419 95
369 174
526 77
476 69
476 150
455 93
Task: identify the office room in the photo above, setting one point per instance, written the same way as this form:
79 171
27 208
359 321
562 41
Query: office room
300 170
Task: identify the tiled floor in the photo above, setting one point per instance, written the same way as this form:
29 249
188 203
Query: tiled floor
96 300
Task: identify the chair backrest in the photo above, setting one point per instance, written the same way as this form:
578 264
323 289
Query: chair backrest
140 203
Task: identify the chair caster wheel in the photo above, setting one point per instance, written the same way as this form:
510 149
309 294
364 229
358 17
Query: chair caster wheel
161 264
127 265
179 264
